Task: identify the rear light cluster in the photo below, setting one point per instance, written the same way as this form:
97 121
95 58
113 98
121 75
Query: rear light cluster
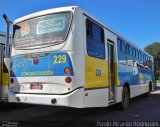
68 79
12 75
68 71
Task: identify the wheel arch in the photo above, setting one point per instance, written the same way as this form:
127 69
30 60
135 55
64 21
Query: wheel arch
128 87
150 86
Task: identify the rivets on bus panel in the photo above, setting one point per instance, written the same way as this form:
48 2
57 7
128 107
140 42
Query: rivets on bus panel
35 61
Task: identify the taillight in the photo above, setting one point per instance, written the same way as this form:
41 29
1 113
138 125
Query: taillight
67 70
35 61
68 79
11 73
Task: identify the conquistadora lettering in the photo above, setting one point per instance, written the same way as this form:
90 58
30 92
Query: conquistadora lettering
37 73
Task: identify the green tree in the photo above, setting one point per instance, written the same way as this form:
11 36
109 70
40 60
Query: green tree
153 49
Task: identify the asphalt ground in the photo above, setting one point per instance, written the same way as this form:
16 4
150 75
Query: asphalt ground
143 111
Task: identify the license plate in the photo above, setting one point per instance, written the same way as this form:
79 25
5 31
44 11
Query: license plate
36 86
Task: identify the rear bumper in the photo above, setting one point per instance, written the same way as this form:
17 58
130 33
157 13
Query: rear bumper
73 99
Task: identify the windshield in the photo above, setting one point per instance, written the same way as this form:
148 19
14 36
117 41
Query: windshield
45 30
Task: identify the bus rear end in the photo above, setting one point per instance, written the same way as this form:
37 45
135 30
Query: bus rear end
42 65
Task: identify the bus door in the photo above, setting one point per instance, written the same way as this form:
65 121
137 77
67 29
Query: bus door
111 74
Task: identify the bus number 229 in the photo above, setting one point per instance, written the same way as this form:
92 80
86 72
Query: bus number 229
59 59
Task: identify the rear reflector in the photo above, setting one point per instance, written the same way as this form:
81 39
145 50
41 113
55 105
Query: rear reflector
68 79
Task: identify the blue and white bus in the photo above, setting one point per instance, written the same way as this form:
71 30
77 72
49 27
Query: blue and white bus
66 57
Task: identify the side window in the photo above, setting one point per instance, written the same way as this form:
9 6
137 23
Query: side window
95 40
134 53
145 62
119 45
130 58
131 51
88 28
121 51
150 63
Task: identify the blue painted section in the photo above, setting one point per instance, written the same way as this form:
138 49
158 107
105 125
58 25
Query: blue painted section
49 64
133 75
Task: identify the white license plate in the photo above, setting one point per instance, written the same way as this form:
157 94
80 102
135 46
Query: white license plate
36 86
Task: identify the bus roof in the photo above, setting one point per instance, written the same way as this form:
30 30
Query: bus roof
72 8
44 12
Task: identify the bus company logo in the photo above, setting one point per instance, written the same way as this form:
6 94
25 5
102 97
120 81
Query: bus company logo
25 29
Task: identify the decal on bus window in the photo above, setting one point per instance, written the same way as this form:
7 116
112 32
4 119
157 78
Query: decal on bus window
51 25
25 29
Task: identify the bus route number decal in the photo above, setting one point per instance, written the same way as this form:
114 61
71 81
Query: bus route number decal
59 59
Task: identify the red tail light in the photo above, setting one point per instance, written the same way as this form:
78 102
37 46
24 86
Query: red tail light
35 61
68 79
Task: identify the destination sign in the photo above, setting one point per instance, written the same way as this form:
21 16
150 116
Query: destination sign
51 25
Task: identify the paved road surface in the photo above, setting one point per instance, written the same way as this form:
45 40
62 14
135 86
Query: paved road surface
143 109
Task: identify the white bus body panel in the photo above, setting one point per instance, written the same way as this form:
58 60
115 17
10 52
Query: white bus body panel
73 99
96 98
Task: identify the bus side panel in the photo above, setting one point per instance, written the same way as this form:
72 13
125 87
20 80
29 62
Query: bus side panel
96 73
96 85
137 78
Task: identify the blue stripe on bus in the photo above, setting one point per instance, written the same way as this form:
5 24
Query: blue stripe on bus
133 75
49 64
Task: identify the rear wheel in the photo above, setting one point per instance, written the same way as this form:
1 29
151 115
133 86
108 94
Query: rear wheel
125 98
149 91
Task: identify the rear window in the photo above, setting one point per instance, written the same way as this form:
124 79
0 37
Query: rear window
44 30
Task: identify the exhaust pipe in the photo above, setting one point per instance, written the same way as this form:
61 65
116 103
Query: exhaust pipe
7 35
7 59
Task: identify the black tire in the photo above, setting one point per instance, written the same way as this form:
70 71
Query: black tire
150 89
125 98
